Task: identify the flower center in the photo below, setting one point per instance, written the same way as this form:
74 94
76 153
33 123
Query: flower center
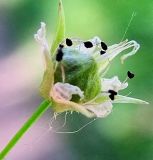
80 70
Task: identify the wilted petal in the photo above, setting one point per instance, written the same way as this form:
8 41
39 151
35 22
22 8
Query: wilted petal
113 84
62 94
48 77
124 99
100 110
40 37
65 91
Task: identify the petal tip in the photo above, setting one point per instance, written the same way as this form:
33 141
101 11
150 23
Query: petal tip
146 103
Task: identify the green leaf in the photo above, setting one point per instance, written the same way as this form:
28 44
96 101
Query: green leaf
60 32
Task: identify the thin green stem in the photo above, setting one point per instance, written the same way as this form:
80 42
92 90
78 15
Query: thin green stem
35 116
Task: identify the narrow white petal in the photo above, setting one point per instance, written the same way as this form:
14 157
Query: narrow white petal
116 49
65 91
124 99
40 38
95 41
62 94
100 110
130 44
113 84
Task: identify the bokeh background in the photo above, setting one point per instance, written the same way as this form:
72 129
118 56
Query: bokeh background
127 133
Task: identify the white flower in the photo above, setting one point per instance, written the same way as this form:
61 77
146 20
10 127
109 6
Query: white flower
64 91
74 75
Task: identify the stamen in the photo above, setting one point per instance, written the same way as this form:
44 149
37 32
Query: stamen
68 42
59 55
61 46
88 44
111 96
102 52
125 80
103 46
112 92
63 73
78 130
130 74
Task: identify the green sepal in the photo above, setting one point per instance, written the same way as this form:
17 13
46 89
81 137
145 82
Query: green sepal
124 99
60 32
48 77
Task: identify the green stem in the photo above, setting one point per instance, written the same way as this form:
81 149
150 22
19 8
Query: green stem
35 116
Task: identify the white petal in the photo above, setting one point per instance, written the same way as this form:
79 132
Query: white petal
62 94
115 49
130 44
95 41
64 91
40 37
113 84
124 99
100 110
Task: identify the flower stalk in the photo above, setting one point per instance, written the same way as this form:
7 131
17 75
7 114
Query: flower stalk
35 116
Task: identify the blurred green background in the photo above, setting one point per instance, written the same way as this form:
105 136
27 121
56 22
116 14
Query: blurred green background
127 133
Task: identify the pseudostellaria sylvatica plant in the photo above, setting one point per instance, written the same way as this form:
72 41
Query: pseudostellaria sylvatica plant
74 76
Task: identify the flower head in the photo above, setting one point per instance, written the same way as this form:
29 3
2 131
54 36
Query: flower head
74 73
